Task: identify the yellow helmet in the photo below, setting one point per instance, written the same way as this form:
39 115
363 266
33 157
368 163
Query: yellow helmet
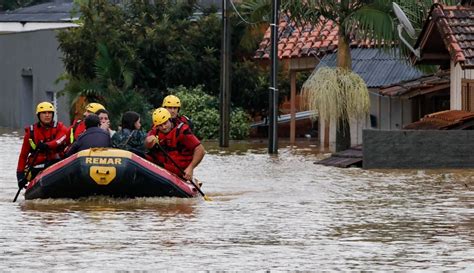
160 116
93 107
171 101
44 107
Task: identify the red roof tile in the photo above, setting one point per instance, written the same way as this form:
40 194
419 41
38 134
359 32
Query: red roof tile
309 39
300 40
456 28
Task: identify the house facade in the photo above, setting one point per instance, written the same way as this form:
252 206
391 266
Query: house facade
30 62
378 68
305 48
447 40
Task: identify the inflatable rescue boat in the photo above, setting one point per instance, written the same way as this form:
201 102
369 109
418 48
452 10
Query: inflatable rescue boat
109 172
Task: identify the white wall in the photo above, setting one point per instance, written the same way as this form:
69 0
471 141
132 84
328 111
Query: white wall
457 75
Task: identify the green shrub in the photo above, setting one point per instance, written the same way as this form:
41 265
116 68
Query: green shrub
203 110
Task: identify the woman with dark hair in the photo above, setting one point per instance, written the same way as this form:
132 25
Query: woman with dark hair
130 137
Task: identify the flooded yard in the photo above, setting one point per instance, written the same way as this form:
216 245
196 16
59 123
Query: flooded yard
269 212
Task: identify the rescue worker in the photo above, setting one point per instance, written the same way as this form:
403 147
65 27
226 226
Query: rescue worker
180 145
173 105
43 142
93 136
78 126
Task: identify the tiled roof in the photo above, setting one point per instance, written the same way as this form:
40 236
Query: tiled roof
376 67
444 120
58 11
418 86
302 41
455 25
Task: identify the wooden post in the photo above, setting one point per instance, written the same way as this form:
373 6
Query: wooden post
326 133
293 107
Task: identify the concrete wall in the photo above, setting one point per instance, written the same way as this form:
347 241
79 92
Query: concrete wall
418 149
29 65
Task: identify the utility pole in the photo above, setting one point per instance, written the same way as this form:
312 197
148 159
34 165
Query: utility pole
224 98
273 90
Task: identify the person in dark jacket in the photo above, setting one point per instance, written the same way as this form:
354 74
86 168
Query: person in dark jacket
93 137
130 137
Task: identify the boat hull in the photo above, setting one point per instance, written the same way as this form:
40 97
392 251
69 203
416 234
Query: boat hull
109 172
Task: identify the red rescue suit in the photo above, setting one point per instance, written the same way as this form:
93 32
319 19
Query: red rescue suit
74 131
179 143
53 136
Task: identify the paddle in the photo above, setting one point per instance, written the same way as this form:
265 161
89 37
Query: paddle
26 175
182 172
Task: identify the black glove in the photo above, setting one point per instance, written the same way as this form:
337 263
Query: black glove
42 146
20 176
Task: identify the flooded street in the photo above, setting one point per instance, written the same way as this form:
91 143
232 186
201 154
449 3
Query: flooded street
268 213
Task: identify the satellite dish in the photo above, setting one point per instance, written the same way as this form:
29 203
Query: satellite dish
405 24
403 19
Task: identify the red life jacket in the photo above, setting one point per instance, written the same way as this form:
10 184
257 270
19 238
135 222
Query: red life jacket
54 136
177 151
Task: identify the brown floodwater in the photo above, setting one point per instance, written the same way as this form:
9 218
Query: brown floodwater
269 212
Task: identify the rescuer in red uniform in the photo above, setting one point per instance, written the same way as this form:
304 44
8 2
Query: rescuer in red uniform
173 105
177 145
78 126
43 143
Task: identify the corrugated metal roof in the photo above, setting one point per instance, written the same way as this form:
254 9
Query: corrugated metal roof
57 11
419 86
377 67
285 118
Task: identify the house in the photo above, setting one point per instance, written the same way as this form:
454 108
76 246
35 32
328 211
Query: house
298 50
304 48
444 139
447 40
407 101
30 61
378 68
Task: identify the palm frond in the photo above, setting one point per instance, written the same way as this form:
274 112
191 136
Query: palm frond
372 22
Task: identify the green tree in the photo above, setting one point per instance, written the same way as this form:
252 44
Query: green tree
203 111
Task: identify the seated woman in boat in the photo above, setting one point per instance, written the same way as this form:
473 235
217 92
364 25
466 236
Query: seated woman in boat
93 137
43 144
174 146
130 137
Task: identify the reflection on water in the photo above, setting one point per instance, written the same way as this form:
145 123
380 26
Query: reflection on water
270 212
162 206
